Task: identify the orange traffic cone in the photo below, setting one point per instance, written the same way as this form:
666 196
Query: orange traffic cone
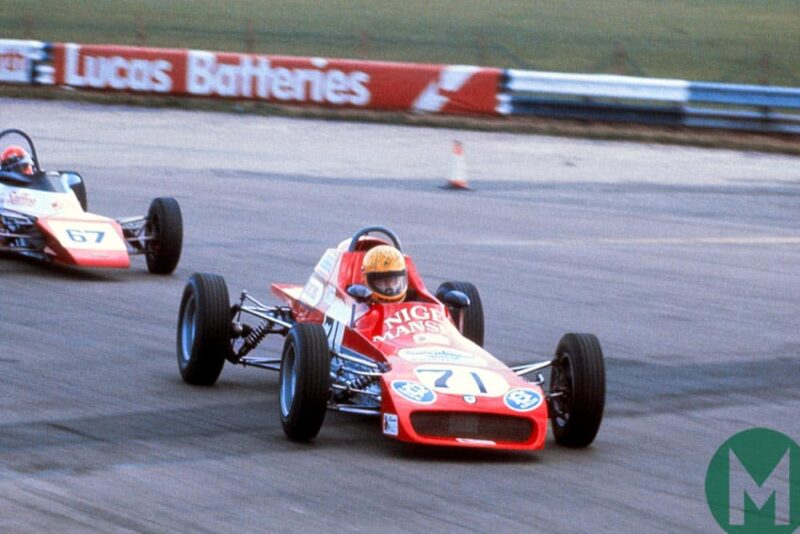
457 174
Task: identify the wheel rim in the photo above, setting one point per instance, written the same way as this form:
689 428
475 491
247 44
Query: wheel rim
288 381
188 328
561 382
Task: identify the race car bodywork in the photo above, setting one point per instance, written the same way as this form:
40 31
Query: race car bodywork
418 364
43 216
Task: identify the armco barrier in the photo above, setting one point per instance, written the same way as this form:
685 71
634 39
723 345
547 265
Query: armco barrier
650 101
402 86
283 79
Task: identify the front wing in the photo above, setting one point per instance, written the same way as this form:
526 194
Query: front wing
516 420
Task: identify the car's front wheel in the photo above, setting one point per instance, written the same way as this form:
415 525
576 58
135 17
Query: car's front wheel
203 329
577 390
164 233
304 381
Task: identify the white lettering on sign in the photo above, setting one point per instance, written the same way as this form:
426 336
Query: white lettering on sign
117 72
255 77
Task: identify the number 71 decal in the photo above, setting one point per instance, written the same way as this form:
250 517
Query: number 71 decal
462 380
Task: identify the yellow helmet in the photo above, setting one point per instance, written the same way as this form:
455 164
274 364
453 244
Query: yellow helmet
384 270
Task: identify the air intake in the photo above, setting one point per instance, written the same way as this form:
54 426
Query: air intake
493 427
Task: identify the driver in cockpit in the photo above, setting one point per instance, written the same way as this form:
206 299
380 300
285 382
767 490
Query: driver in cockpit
16 159
385 272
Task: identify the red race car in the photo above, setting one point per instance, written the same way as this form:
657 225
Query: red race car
43 215
365 336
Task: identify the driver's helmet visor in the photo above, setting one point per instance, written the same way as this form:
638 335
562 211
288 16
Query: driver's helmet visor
19 163
389 284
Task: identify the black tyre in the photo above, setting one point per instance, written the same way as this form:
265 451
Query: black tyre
80 192
204 324
304 381
164 230
577 390
472 327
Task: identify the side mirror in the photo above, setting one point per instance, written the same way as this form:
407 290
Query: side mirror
455 299
71 178
360 292
74 181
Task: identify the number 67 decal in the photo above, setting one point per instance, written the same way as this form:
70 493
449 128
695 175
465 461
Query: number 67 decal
85 236
459 380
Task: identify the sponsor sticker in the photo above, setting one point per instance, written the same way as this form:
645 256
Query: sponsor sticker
439 355
390 426
19 199
414 391
312 292
417 319
522 399
330 295
327 263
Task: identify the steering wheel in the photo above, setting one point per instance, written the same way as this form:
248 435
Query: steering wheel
377 229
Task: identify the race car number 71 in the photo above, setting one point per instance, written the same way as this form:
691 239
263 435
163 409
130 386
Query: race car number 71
462 380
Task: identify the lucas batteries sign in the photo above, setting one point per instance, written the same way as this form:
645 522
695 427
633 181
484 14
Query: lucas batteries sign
280 79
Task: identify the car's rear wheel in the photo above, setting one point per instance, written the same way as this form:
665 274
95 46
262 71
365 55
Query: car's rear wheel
203 329
468 319
577 390
164 232
304 381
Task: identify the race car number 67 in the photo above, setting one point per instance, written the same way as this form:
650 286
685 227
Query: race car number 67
85 236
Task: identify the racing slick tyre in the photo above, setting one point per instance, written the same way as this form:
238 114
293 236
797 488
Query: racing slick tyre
304 381
204 323
164 230
80 193
473 314
577 390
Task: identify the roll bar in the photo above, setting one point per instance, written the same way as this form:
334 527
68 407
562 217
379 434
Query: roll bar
378 229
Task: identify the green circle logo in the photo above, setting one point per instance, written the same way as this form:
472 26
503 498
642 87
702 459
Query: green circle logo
753 483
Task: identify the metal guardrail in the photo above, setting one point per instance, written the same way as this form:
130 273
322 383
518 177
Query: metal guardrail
650 101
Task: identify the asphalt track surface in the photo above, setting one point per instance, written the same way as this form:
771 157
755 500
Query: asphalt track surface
683 261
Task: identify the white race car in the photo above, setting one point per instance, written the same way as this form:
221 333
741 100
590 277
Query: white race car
43 215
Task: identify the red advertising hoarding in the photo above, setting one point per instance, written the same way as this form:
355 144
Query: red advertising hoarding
279 79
